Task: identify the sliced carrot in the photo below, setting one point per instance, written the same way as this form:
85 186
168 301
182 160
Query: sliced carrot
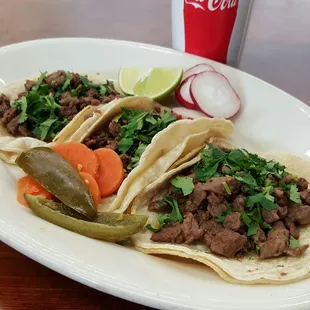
111 171
93 186
79 155
27 185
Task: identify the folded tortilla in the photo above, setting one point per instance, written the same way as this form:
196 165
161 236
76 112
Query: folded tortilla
181 139
245 270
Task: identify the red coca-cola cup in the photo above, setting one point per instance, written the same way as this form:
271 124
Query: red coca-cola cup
213 29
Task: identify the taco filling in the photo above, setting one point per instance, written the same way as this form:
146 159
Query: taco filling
234 202
50 102
130 133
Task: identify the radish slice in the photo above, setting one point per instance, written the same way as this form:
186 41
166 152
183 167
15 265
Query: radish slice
197 69
214 95
183 95
183 113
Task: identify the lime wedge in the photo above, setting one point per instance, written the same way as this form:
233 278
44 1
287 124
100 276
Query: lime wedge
128 78
155 83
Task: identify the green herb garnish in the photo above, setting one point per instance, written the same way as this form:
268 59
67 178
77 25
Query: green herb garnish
174 216
294 194
140 128
185 184
294 243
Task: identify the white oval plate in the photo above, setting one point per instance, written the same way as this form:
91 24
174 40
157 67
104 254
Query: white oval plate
270 120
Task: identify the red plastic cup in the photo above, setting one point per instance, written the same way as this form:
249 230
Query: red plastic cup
214 29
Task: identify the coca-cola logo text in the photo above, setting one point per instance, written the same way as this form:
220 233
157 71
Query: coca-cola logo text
213 5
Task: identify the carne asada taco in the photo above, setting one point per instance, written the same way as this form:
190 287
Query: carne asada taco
148 139
46 108
244 215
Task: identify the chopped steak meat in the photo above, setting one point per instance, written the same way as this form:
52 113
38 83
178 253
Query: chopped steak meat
276 244
227 243
126 159
238 203
296 252
216 210
114 128
96 141
302 184
292 228
233 221
216 186
185 232
29 84
287 179
56 78
299 214
172 233
259 237
9 115
270 216
4 104
305 196
12 126
112 144
282 212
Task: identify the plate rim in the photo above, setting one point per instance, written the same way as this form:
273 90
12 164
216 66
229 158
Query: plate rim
118 292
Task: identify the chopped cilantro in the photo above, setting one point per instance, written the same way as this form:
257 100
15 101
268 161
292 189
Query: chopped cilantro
251 224
185 184
222 217
227 189
136 158
101 89
67 81
257 248
294 194
294 243
262 200
174 216
138 131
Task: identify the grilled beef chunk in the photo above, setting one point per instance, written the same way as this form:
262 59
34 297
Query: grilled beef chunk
232 221
114 128
278 193
305 196
292 228
277 242
96 141
125 159
172 233
227 243
259 237
112 144
216 186
9 115
299 214
238 203
4 104
270 216
282 212
302 184
185 232
217 210
287 179
296 252
56 78
29 84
